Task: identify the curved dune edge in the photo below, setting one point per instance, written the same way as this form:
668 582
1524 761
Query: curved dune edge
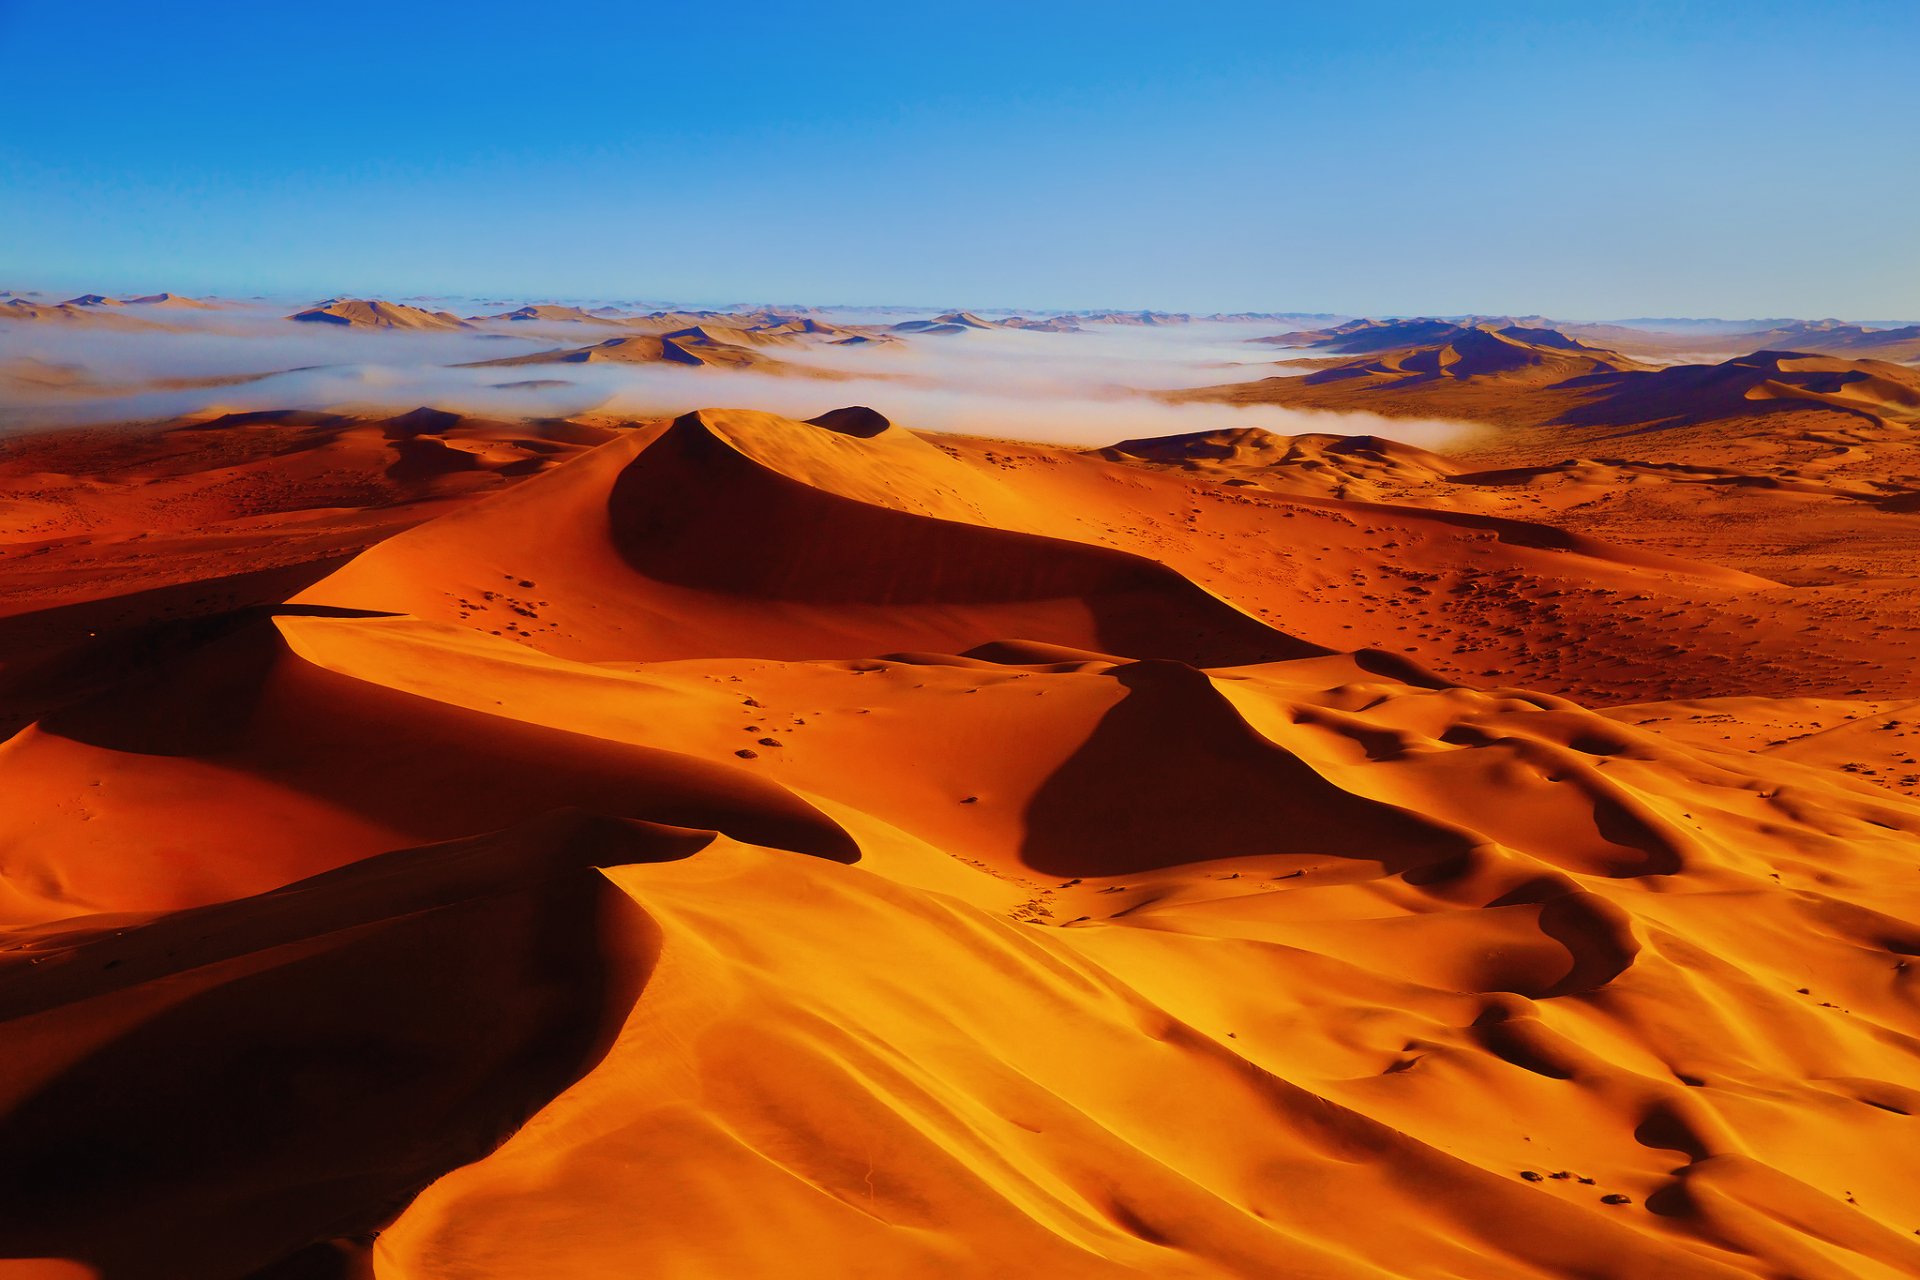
768 908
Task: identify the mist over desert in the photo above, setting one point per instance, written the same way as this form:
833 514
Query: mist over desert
1037 643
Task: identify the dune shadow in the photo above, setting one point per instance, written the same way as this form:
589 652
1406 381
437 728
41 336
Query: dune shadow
431 770
1172 774
298 1065
692 511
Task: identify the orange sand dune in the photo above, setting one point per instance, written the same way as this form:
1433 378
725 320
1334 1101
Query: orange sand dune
714 346
1363 467
173 302
106 314
1536 355
86 515
367 313
1831 337
1746 385
548 312
1518 377
735 846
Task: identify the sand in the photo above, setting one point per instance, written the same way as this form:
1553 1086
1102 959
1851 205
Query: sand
436 848
374 313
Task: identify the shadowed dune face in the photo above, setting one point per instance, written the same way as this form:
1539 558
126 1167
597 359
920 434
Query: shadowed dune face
694 510
403 1016
1179 775
347 765
742 846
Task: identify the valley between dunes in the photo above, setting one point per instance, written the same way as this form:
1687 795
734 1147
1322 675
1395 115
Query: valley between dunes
436 848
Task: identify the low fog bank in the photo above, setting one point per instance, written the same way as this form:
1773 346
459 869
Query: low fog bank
1086 389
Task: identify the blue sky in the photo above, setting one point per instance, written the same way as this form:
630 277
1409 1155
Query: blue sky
1583 161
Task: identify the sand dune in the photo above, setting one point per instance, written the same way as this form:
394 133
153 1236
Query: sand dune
92 515
372 313
173 302
1748 385
951 323
1535 355
732 845
72 313
1832 337
1518 376
713 348
168 301
1637 338
550 313
1368 468
1367 336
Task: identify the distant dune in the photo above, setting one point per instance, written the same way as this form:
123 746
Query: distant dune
1369 336
712 347
104 314
546 312
1517 375
1365 467
173 301
1358 337
1511 353
365 313
1149 319
950 323
1831 337
1752 384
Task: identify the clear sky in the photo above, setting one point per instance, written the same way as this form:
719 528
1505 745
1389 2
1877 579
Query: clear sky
1591 160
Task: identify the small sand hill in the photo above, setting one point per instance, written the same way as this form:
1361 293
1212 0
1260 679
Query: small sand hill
93 300
952 322
102 315
1752 386
367 313
1148 319
173 302
260 498
698 347
783 334
667 321
1533 378
775 325
1366 468
548 313
1835 337
1044 324
1366 336
635 350
1508 375
1542 356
